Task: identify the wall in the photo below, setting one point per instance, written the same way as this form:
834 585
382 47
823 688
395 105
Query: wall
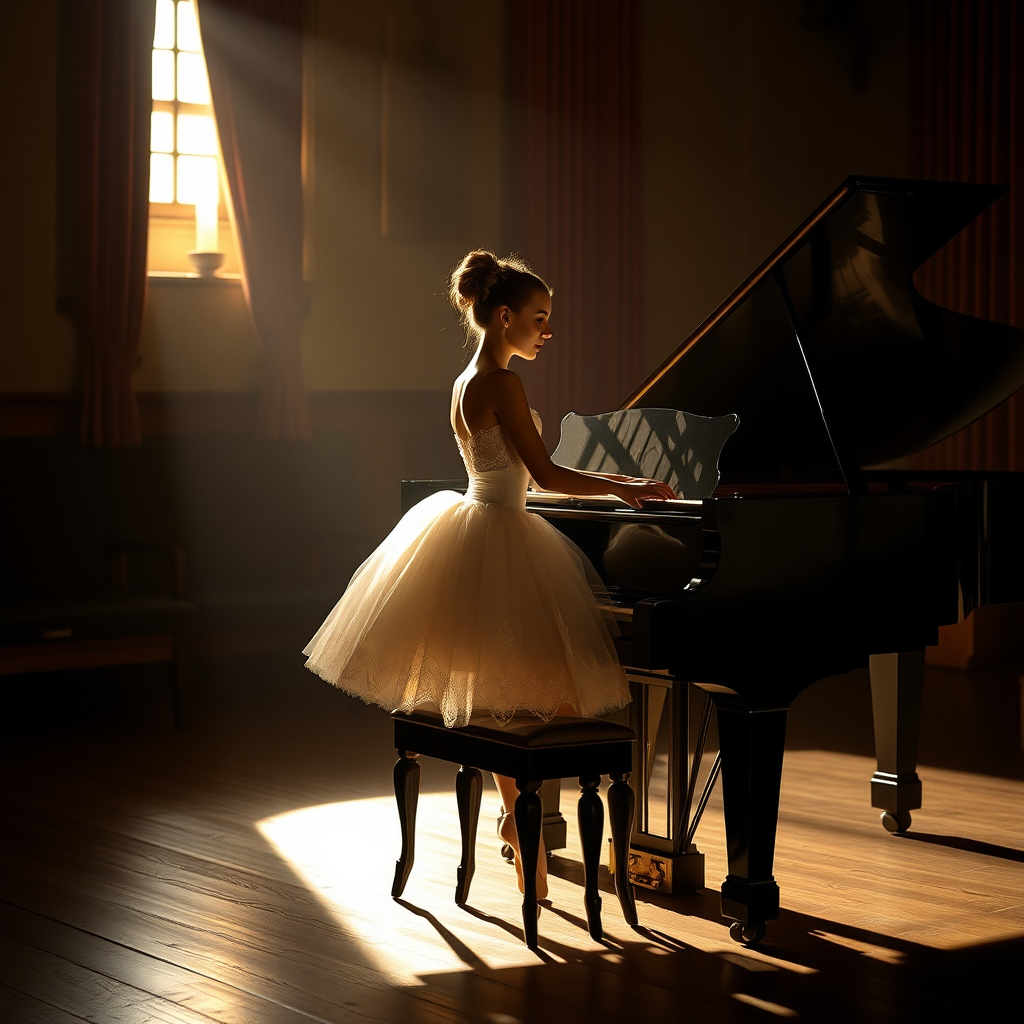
379 316
750 120
197 336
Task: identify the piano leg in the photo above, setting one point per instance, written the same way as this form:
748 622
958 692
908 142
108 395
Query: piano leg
752 743
896 683
553 824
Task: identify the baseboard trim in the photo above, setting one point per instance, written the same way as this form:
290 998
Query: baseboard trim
56 414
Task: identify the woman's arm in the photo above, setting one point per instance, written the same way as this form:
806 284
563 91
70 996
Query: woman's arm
508 399
617 476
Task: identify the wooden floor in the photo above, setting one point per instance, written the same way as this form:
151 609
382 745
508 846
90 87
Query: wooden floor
241 873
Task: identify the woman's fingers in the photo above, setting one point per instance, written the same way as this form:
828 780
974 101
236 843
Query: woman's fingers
636 491
656 489
659 488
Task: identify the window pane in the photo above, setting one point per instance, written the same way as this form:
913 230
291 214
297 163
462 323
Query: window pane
197 179
163 75
163 36
196 134
188 27
192 85
161 178
161 132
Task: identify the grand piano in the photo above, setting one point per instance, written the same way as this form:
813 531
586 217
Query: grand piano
807 561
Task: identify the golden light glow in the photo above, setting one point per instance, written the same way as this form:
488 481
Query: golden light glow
161 178
184 154
192 84
764 1004
197 179
351 875
161 132
196 135
163 33
344 854
868 949
163 75
206 227
188 27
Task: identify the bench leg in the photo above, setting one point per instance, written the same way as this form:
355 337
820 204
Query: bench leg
407 792
621 805
529 811
590 814
469 786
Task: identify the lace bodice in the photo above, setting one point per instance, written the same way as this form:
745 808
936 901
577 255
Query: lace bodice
491 449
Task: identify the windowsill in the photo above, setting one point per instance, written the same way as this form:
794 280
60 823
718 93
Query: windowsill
179 279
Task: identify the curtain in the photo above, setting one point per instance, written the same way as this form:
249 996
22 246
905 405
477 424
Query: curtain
967 124
576 85
254 57
112 83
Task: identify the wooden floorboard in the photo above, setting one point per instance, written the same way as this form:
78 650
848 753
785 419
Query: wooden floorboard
203 996
20 1008
244 876
70 988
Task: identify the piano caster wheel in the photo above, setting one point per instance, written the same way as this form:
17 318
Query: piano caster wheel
748 934
896 821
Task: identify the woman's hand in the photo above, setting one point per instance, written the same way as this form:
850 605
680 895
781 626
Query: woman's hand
636 491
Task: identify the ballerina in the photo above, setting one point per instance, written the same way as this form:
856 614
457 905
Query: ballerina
471 603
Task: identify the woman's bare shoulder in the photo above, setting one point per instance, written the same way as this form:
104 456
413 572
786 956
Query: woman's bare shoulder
505 383
488 385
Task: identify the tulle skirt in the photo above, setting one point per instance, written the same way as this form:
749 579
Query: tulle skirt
470 606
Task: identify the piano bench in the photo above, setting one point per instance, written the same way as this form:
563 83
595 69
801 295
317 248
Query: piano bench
530 751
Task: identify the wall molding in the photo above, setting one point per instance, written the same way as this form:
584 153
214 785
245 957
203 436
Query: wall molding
38 414
56 414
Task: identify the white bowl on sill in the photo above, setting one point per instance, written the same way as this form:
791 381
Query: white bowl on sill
206 263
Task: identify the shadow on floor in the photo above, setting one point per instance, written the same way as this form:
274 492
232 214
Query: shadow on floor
808 967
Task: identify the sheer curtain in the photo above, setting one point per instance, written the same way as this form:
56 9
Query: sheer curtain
967 124
576 81
254 57
112 78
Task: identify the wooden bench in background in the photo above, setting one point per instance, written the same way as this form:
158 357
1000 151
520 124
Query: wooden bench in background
109 630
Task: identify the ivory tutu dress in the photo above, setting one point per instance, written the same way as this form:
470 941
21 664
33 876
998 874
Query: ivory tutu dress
472 603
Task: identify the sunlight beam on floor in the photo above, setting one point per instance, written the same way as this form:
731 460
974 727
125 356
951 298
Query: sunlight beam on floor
345 854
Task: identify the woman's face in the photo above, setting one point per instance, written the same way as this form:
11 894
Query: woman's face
528 330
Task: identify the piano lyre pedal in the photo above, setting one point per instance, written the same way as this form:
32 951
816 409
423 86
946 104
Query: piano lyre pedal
662 853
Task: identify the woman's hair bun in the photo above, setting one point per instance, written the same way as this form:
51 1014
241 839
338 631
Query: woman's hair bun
482 282
474 277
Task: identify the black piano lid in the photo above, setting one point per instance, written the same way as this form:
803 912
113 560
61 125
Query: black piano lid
832 359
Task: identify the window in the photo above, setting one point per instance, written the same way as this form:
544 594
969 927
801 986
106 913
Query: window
185 171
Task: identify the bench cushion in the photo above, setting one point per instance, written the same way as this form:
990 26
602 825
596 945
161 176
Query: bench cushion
528 731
